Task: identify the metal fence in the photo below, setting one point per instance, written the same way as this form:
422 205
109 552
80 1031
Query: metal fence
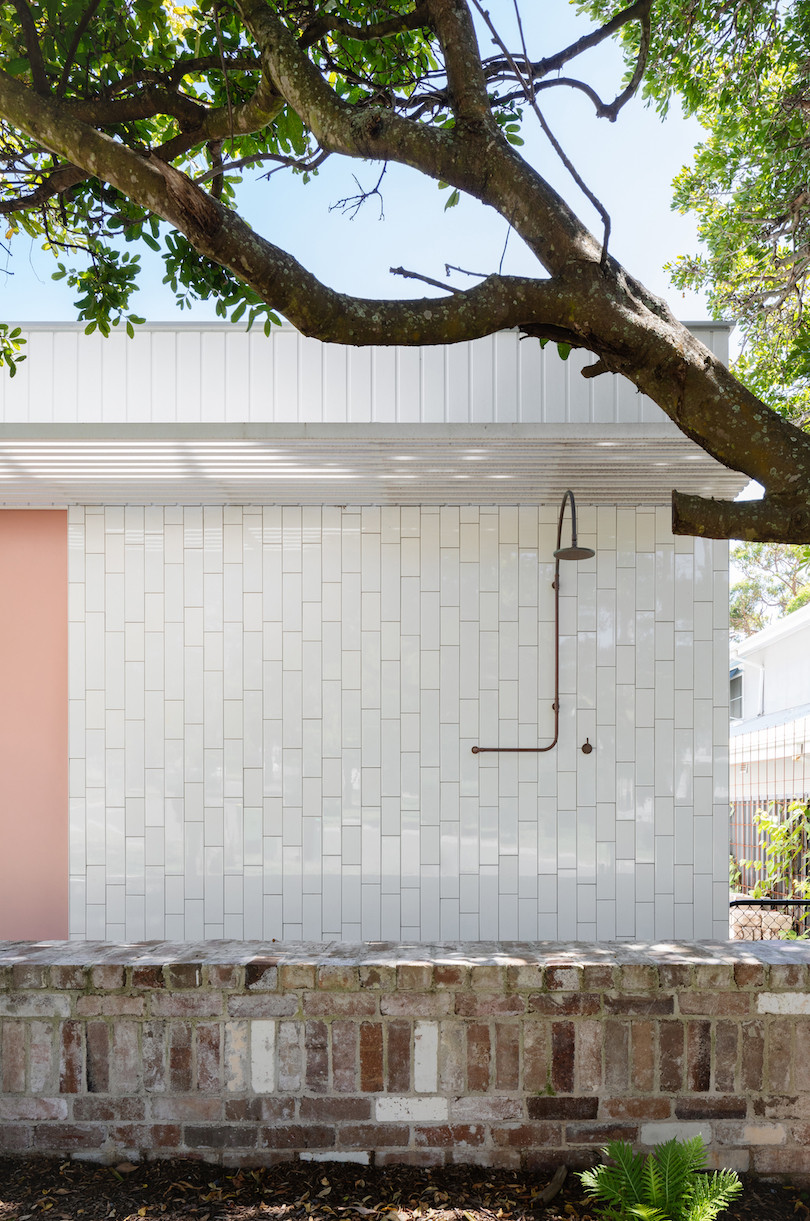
768 919
748 842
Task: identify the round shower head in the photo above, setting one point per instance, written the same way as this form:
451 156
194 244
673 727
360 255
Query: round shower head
574 553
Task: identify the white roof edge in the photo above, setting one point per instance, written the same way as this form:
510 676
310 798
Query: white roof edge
773 632
189 325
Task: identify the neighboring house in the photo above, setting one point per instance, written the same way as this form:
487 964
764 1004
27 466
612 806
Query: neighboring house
769 707
263 597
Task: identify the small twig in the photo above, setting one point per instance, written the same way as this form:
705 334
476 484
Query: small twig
414 275
86 18
448 267
353 203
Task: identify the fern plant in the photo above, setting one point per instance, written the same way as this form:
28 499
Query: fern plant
666 1185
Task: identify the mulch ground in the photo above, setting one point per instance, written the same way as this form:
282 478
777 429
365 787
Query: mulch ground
193 1191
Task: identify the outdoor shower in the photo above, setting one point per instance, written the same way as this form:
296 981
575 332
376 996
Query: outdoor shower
573 552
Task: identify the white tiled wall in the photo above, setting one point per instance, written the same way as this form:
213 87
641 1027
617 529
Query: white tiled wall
273 709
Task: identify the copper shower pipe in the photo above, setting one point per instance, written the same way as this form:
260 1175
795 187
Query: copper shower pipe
574 552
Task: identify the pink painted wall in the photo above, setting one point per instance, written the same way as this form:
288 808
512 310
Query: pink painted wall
33 725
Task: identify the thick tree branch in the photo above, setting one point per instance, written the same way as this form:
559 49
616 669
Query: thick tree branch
462 60
773 519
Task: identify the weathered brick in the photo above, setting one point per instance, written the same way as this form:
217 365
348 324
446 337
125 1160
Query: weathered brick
17 1109
261 974
344 1057
290 1061
180 1059
599 1133
107 1110
451 975
41 1060
337 977
34 1005
209 1056
549 1107
263 1005
446 1135
416 1004
698 1056
452 1058
26 975
478 1057
715 1004
335 1110
752 1055
71 1058
565 1004
110 1006
414 976
294 975
67 1137
617 1056
714 976
158 1136
485 1110
378 976
226 976
422 1158
563 979
153 1052
67 977
471 1004
588 1057
791 1162
16 1138
636 1108
183 975
726 1039
98 1057
787 975
507 1057
348 1004
194 1107
236 1057
315 1043
778 1055
749 974
487 978
562 1056
526 1135
374 1136
194 1004
371 1057
640 1006
638 977
710 1108
148 977
546 1161
674 975
399 1057
107 977
298 1136
671 1061
125 1061
536 1057
219 1136
597 978
642 1056
260 1110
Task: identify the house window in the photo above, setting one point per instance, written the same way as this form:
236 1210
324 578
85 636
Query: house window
735 704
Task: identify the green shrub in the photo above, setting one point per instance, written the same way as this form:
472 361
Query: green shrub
666 1185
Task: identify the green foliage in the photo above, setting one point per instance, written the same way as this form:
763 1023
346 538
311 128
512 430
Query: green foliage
772 577
10 344
666 1185
783 837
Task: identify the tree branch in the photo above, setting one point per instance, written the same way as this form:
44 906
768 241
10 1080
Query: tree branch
38 74
462 59
70 58
774 519
414 20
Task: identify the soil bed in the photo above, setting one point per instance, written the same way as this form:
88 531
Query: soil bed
295 1191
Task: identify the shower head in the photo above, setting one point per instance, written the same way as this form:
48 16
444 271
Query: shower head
574 552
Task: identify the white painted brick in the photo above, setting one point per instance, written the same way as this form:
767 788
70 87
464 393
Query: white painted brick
361 1158
410 1110
426 1057
783 1002
263 1057
764 1134
660 1133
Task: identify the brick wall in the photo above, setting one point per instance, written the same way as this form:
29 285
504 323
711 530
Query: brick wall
503 1055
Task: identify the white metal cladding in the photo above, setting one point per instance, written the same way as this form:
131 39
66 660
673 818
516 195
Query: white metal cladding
46 465
272 713
220 373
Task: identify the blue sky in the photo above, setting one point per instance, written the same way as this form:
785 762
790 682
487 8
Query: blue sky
629 165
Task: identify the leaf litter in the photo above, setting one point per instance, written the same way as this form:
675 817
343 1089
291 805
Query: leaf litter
32 1189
